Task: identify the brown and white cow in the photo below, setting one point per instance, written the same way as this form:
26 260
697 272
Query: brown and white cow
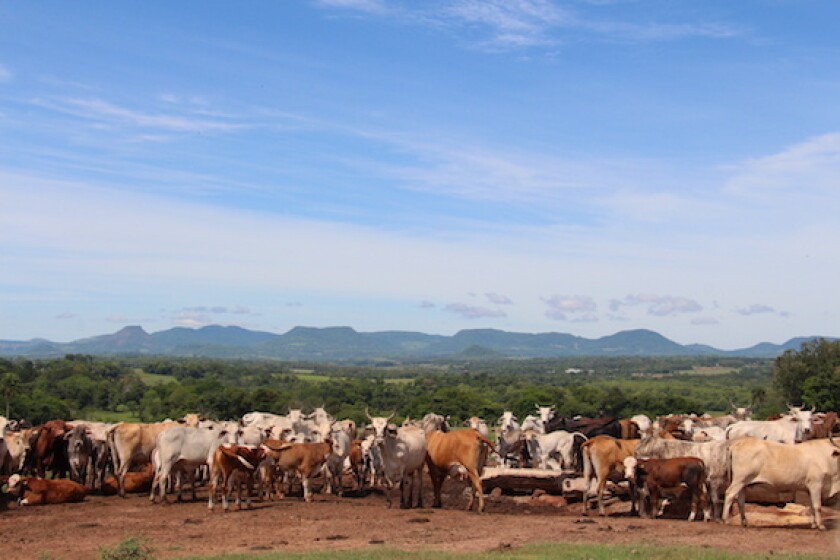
654 478
447 451
230 461
38 491
304 459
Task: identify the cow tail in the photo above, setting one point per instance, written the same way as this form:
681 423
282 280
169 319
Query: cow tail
112 447
483 457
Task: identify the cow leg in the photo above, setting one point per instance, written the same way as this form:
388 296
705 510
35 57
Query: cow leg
417 486
735 491
307 491
477 491
815 492
437 482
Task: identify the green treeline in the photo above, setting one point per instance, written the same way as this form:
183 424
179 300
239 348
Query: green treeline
153 388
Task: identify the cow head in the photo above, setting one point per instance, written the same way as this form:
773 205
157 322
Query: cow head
508 421
630 466
434 422
545 413
381 427
17 485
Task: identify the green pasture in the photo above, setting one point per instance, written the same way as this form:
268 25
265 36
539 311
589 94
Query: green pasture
152 379
557 551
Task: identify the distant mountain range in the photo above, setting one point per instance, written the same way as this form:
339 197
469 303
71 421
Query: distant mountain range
347 344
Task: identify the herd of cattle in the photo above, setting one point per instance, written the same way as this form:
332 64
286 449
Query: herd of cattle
706 459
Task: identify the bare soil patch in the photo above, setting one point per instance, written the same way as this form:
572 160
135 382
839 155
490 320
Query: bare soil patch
76 531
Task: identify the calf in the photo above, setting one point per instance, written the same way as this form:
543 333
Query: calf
305 459
229 461
654 477
466 450
38 491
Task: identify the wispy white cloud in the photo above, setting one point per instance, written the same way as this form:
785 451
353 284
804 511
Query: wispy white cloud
760 309
5 74
657 304
514 25
498 299
575 308
473 311
99 111
808 168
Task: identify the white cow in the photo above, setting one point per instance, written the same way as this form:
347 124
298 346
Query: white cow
554 450
185 449
793 427
812 465
403 453
12 452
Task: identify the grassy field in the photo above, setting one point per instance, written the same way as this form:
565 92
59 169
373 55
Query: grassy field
315 378
555 551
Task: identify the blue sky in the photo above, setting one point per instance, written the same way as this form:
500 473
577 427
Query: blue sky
573 166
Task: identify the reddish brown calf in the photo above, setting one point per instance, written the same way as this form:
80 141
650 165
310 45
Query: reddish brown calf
658 477
38 491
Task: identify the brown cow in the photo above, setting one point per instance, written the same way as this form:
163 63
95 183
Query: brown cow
234 460
655 477
452 451
50 449
136 482
304 459
38 491
604 456
629 429
824 424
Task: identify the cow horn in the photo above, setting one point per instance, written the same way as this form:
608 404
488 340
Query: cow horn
367 413
394 413
831 439
813 408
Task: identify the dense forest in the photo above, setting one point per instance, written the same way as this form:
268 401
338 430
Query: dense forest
152 388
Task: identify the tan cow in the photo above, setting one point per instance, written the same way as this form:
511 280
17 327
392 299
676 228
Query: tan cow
604 456
38 491
131 444
447 451
305 459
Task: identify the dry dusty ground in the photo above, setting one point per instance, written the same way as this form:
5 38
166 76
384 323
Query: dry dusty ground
75 531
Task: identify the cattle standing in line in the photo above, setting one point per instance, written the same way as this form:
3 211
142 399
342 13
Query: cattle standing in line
403 452
654 477
813 466
715 455
38 491
230 461
463 448
603 457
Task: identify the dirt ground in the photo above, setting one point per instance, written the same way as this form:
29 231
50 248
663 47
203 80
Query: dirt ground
76 531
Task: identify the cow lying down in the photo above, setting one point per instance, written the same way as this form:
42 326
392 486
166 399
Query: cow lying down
38 491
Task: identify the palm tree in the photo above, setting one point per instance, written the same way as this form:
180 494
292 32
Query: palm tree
9 386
